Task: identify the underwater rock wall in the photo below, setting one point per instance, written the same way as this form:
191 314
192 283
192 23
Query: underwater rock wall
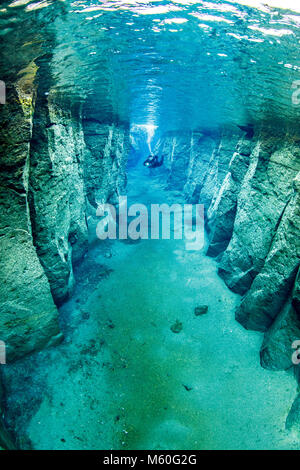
175 148
197 162
253 226
262 257
46 167
276 348
28 316
218 165
250 188
222 210
186 156
57 193
105 168
265 192
273 284
203 148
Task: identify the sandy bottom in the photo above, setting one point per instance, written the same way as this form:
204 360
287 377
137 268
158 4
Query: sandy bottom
124 380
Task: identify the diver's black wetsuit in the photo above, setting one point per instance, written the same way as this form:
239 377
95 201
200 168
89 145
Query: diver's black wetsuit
153 161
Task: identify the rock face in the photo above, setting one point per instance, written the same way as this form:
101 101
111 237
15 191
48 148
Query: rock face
28 318
201 153
296 294
250 187
57 194
276 351
222 211
218 166
201 310
105 169
253 224
272 286
176 149
48 181
264 194
186 157
56 167
198 164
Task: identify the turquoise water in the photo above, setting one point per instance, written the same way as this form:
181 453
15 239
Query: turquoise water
122 379
176 64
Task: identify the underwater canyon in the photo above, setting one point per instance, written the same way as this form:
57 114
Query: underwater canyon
143 343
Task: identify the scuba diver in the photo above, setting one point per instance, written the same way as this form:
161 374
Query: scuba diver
153 161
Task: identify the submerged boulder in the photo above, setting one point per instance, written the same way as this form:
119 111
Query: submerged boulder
201 310
176 327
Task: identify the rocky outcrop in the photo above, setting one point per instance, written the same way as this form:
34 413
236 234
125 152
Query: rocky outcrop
218 166
28 316
263 197
186 157
49 178
175 149
276 351
57 193
198 165
197 162
202 152
105 169
272 286
222 211
252 220
253 224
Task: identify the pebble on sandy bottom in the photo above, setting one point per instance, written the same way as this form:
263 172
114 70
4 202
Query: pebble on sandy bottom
201 310
176 327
